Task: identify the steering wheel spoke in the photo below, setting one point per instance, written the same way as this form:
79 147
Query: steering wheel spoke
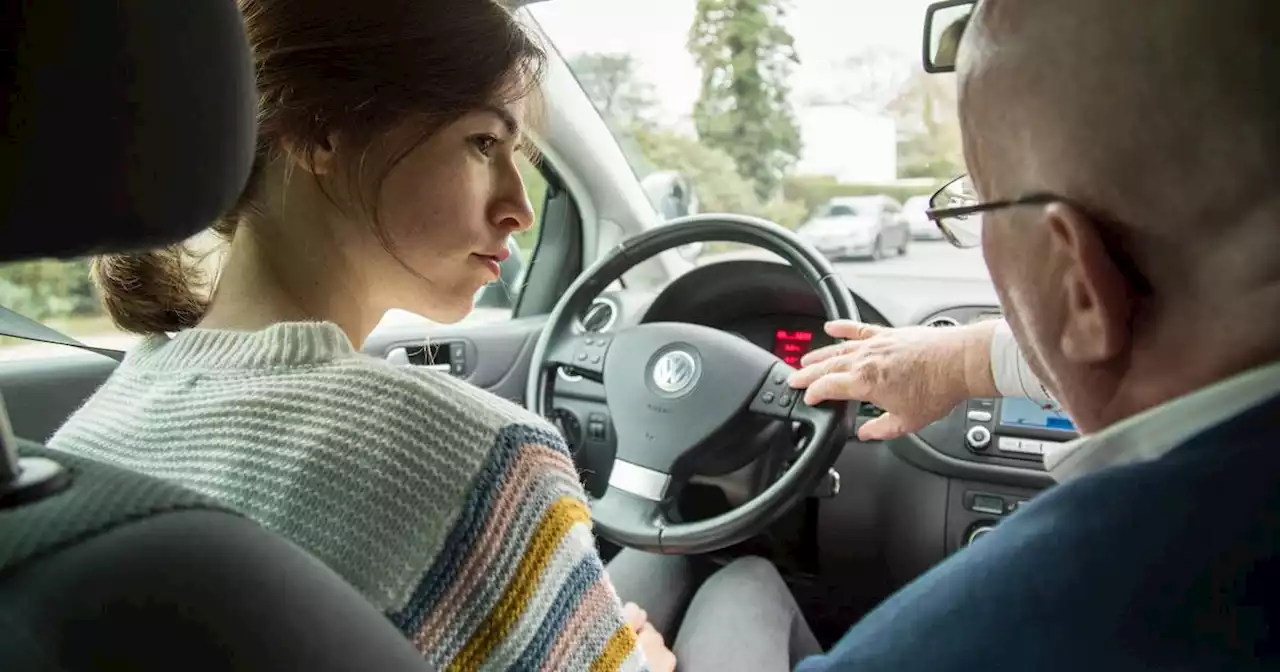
582 354
776 398
627 513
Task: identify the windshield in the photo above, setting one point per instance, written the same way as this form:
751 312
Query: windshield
813 114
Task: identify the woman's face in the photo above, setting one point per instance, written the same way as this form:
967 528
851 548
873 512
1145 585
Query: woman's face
446 212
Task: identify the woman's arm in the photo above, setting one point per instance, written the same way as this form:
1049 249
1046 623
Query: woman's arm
519 583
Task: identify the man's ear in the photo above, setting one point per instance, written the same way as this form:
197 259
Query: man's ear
318 159
1099 303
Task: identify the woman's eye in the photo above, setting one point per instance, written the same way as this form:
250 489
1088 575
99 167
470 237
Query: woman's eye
484 143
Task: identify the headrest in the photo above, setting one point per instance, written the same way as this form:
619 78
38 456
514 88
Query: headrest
130 123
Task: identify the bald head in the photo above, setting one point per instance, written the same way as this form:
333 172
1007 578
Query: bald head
1162 114
1157 122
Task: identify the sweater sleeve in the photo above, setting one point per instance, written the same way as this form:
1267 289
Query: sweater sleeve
519 583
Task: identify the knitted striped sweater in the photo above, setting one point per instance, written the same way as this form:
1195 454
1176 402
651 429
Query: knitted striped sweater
457 513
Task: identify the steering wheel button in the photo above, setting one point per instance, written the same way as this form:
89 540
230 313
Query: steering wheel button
767 397
785 399
779 378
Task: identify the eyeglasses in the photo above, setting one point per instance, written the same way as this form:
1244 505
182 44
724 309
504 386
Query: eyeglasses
957 210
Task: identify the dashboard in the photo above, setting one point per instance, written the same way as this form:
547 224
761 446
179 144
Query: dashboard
894 509
928 494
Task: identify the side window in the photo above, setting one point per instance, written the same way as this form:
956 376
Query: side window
60 295
498 300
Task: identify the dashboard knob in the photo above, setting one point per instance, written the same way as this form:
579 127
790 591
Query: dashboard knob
978 437
977 533
570 428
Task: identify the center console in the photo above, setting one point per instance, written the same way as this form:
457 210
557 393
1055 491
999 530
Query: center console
1010 432
1014 428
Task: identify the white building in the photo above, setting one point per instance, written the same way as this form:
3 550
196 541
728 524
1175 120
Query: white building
847 144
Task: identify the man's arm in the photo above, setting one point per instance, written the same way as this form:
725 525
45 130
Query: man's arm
916 374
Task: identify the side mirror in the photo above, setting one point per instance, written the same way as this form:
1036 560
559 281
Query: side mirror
672 195
944 24
505 292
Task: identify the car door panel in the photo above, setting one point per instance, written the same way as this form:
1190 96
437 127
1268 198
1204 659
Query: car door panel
42 393
497 354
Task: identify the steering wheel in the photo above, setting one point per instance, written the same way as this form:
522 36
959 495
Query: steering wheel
672 386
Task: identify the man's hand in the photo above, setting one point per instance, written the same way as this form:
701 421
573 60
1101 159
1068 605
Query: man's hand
916 374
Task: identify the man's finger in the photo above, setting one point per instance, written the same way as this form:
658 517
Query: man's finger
827 352
839 386
806 376
883 428
851 330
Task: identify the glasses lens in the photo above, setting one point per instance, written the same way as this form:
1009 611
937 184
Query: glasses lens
957 193
961 230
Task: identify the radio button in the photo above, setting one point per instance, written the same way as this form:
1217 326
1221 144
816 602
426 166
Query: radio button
978 437
980 416
1032 447
1009 444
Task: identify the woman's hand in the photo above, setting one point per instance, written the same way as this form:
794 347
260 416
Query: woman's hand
916 374
660 658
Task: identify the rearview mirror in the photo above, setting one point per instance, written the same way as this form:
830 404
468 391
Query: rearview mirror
944 24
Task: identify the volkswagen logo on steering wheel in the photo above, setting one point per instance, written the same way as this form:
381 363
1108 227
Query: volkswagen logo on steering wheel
675 372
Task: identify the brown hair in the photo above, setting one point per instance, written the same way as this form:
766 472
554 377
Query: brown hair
351 69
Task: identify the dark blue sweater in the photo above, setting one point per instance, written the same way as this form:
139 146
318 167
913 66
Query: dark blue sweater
1172 564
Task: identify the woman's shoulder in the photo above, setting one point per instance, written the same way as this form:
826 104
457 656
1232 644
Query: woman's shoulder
440 410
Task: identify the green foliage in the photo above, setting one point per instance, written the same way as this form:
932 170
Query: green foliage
714 177
929 142
611 82
746 57
48 288
812 192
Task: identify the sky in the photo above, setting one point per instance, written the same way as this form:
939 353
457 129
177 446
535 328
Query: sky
655 33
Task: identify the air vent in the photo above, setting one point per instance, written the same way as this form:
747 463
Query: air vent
599 316
942 322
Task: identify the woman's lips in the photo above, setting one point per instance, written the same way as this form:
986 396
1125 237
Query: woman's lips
492 262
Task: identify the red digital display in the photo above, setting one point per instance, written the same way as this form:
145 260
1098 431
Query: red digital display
790 346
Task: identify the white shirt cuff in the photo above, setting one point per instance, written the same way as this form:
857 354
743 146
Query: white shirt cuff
1012 374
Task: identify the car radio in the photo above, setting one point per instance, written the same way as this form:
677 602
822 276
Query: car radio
1015 427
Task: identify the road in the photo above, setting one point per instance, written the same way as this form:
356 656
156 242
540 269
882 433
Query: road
924 259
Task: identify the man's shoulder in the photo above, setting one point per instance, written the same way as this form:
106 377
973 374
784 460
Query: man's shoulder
1149 563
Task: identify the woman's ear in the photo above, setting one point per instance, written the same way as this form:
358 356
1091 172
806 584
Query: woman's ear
318 159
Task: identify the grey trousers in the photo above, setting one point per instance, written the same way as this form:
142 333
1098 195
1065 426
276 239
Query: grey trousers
742 618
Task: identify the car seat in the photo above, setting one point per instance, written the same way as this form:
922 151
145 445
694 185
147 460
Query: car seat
130 124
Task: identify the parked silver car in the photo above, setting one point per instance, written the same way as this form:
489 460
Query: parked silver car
858 226
922 228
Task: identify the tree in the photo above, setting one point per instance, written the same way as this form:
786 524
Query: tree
746 57
879 80
615 88
867 80
929 142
